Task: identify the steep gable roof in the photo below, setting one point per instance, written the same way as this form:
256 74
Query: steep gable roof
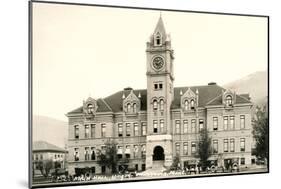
208 95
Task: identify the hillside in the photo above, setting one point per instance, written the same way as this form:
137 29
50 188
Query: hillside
255 84
50 130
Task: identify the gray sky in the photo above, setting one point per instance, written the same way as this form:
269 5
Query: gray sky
80 51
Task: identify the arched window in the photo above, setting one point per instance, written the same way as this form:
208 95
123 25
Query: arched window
90 108
135 108
186 105
155 104
192 104
161 104
228 100
158 39
128 107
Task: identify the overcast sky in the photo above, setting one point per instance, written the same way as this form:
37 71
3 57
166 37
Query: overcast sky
82 50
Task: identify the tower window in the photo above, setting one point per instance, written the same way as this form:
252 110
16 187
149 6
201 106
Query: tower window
155 104
160 85
156 86
155 126
161 104
158 39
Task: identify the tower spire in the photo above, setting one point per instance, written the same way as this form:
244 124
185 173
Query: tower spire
160 27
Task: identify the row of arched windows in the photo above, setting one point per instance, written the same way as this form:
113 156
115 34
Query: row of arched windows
131 108
189 104
161 104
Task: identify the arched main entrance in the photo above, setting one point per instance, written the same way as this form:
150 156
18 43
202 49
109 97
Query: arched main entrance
158 154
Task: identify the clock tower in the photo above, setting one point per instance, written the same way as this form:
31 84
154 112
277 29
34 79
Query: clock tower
160 94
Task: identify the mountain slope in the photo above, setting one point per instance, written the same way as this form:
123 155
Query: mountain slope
255 84
50 130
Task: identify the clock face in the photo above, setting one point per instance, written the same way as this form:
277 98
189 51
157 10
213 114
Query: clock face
158 63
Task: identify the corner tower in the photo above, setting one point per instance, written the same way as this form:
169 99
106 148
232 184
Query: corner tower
160 94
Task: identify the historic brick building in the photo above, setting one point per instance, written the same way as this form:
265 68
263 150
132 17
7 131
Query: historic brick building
156 123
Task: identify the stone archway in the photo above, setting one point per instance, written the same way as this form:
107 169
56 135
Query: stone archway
158 154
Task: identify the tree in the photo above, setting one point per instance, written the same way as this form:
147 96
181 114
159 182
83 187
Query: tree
260 133
175 164
204 147
45 167
108 156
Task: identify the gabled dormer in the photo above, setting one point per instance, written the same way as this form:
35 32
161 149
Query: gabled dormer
228 98
131 103
90 106
189 100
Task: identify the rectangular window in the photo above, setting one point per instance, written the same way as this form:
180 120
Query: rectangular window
185 126
215 123
185 148
178 126
242 161
160 85
225 145
193 147
103 130
87 153
201 124
87 131
120 130
119 152
128 129
136 129
76 131
225 122
162 125
193 126
178 148
143 128
93 130
242 121
76 154
242 144
128 152
215 146
155 126
232 145
231 123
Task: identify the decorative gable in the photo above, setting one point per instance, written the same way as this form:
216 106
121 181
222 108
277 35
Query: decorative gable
189 100
131 103
90 106
228 98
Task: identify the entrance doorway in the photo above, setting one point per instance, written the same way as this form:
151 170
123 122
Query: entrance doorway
158 154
